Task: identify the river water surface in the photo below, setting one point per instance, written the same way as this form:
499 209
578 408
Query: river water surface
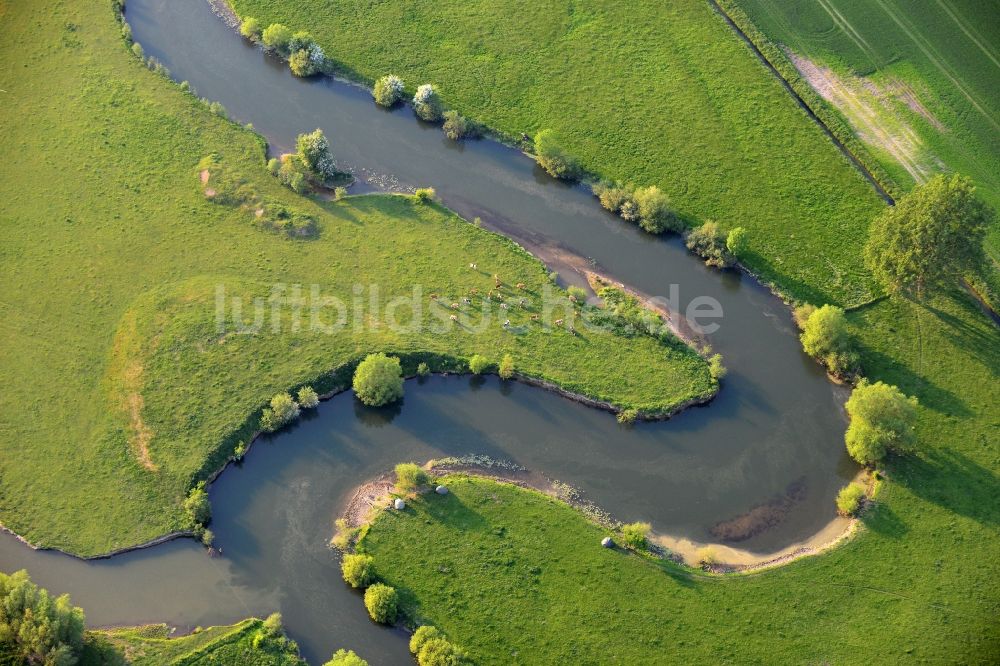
774 431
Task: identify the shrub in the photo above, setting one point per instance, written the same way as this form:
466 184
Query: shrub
388 90
339 193
240 451
273 626
300 41
655 215
849 499
577 294
250 28
423 634
825 337
706 556
302 64
313 150
440 652
423 369
716 368
382 603
282 410
274 166
344 657
197 507
427 104
737 242
628 416
137 50
378 380
456 127
410 477
882 420
506 367
36 628
612 197
553 158
634 535
802 313
308 398
478 364
630 211
424 194
358 570
207 538
708 242
276 37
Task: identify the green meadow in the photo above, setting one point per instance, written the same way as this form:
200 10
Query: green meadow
945 54
120 389
656 93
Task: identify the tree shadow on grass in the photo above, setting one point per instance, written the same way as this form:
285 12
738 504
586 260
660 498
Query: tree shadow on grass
883 520
451 511
927 392
952 481
973 332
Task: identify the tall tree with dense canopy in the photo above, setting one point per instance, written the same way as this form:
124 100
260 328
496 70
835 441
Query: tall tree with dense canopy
36 628
882 419
378 380
932 236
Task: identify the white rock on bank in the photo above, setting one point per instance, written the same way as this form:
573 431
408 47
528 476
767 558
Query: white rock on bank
399 504
441 490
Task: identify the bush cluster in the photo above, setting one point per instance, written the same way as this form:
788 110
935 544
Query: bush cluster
457 127
825 337
308 398
849 499
410 477
35 627
648 206
388 90
305 56
382 602
430 648
378 380
282 410
427 103
553 158
710 243
344 657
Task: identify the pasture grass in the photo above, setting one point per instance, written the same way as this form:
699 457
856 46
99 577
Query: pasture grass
119 390
648 92
946 53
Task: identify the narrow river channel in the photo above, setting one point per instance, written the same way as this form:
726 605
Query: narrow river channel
774 432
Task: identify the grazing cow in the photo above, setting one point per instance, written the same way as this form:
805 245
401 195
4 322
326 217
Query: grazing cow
454 317
466 300
534 317
472 266
506 324
497 282
521 285
454 306
559 322
505 306
434 297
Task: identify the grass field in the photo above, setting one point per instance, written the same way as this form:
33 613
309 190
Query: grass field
119 391
943 53
152 646
654 93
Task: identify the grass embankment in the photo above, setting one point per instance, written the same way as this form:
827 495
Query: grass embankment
152 646
930 68
119 391
653 93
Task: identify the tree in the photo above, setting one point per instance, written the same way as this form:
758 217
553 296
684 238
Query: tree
410 477
825 336
300 41
634 535
282 410
344 657
306 62
738 242
382 603
553 158
273 625
612 197
250 28
388 90
456 127
358 570
36 628
308 398
930 237
313 149
708 242
423 634
424 194
849 499
478 364
423 369
276 37
197 506
655 215
427 104
716 369
378 380
882 420
506 366
440 652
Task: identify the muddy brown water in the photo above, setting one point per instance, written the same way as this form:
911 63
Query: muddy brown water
777 423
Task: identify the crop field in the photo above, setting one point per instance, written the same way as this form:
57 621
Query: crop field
658 93
930 72
120 390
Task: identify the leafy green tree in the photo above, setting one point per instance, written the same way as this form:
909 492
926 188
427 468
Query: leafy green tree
553 158
612 197
849 499
440 652
423 369
410 477
282 410
358 570
708 242
478 364
382 602
423 634
313 150
506 366
277 37
716 367
344 657
738 242
456 127
634 535
882 420
273 625
197 506
655 214
628 416
378 380
36 628
931 237
250 28
825 336
308 398
388 90
427 104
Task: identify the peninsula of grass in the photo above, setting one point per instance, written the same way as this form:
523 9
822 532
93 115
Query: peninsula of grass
120 389
248 643
655 93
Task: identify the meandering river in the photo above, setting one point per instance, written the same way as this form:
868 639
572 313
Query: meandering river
775 432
